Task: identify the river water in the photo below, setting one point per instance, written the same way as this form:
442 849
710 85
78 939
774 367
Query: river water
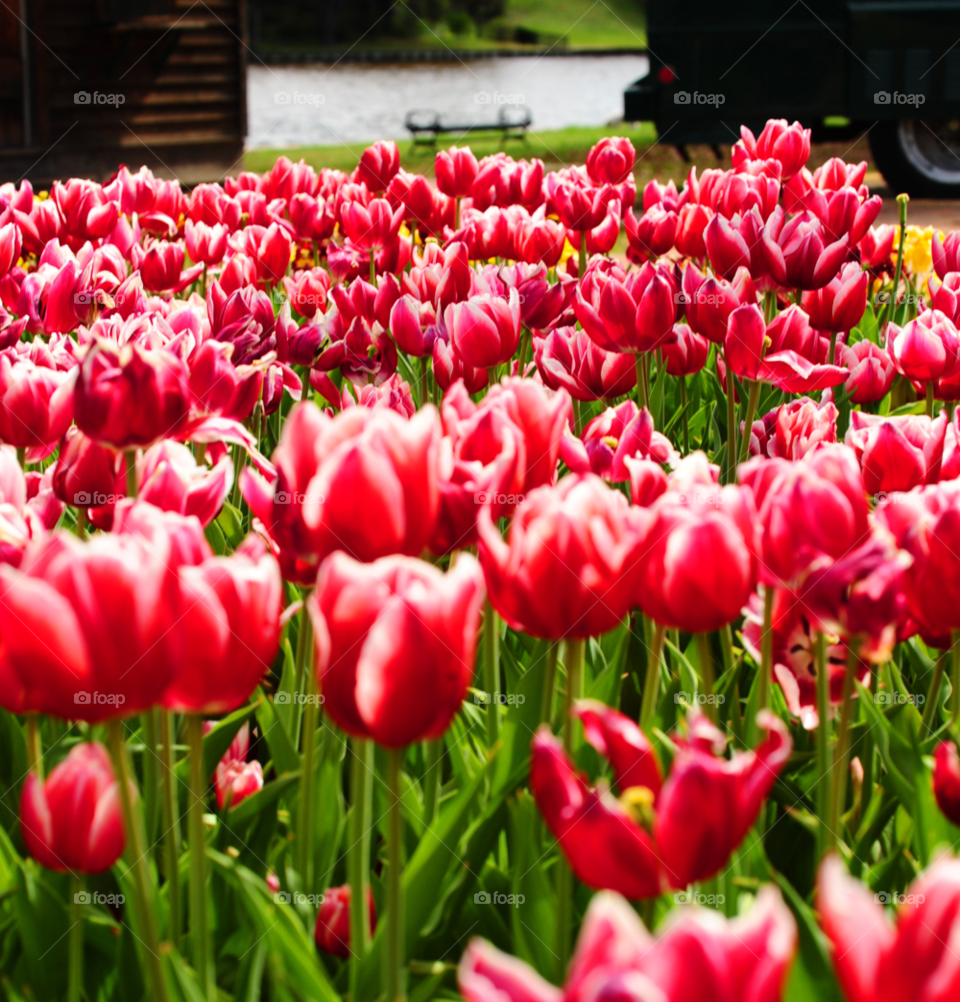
348 103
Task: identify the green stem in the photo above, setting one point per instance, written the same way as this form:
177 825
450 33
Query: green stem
171 825
824 765
373 268
433 759
833 348
358 854
21 457
75 968
842 751
491 670
930 399
424 381
203 281
752 399
564 916
866 755
582 262
549 682
934 696
706 673
34 750
130 458
150 778
573 662
393 942
651 684
307 781
643 379
199 934
766 649
731 426
686 423
525 339
304 639
892 301
138 860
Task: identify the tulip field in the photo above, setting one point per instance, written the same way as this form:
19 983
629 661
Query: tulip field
404 597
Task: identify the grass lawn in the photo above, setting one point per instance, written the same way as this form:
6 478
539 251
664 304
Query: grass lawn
556 149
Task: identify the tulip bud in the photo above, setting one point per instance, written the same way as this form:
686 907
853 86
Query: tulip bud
332 931
456 170
743 346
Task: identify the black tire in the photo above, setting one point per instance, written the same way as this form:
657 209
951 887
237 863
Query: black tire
917 157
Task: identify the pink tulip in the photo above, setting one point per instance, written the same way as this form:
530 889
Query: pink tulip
797 253
484 331
36 403
872 372
744 343
708 302
945 253
790 144
927 348
456 170
691 226
611 160
378 164
308 291
170 478
566 358
205 244
371 227
896 453
840 304
72 821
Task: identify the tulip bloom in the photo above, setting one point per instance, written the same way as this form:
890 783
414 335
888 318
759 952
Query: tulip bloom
896 453
364 481
945 253
308 291
946 780
388 632
874 959
569 566
63 656
692 820
840 304
708 301
373 226
688 354
744 344
611 160
160 265
36 403
129 396
927 348
170 478
699 955
235 778
72 820
566 358
456 170
797 254
205 244
691 224
699 564
379 162
790 144
872 372
484 332
332 931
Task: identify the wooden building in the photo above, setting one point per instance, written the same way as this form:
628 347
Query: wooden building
88 84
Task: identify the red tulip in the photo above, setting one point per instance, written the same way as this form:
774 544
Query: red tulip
911 959
647 481
170 478
411 328
691 225
708 302
89 628
448 367
927 348
797 253
332 931
10 247
811 509
632 313
160 265
206 244
217 386
726 247
414 193
650 236
566 358
611 160
387 633
378 164
699 564
312 218
569 565
235 778
539 240
876 246
86 211
36 403
364 482
308 291
72 821
744 343
840 304
896 453
699 955
790 144
944 296
456 170
688 354
86 471
872 372
373 226
945 253
129 396
484 331
946 780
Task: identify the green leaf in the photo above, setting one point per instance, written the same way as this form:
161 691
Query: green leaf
534 919
518 726
286 712
230 521
217 741
216 539
260 801
811 977
285 757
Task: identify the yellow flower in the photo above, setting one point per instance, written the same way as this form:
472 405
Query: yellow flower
917 258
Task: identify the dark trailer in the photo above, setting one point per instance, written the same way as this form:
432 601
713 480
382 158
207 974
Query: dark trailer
890 69
88 84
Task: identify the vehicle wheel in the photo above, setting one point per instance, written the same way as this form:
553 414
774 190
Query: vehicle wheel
919 158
